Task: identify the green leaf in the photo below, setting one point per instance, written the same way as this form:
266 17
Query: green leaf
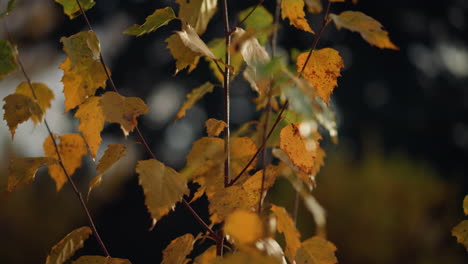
67 247
159 18
11 4
8 55
71 8
258 20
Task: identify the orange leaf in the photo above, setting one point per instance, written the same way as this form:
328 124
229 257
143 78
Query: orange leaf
43 93
18 109
67 247
91 123
244 226
214 127
316 250
369 28
193 97
177 251
321 71
72 148
286 225
23 170
294 11
122 110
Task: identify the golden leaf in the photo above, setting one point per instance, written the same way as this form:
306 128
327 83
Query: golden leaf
206 257
18 109
100 260
294 11
321 71
465 205
112 154
67 247
369 28
197 13
294 145
285 225
72 148
163 187
214 127
43 94
177 251
23 170
91 123
246 258
122 110
245 227
316 250
184 56
159 18
193 97
227 200
461 233
253 184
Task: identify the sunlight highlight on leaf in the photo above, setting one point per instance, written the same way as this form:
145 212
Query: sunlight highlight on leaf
294 11
244 226
18 109
197 13
195 95
22 171
159 18
67 247
71 8
177 251
184 56
192 41
369 28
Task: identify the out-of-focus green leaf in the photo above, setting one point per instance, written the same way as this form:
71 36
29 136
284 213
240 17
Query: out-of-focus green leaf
258 20
11 4
71 8
8 55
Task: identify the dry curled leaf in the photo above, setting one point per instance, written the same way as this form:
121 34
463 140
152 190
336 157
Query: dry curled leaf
369 28
192 41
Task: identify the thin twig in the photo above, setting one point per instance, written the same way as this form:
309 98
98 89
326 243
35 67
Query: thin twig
264 141
59 156
227 100
274 37
140 135
246 17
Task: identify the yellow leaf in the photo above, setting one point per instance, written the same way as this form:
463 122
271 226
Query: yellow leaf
71 148
177 251
246 258
206 257
295 147
83 74
23 170
67 247
461 233
191 40
253 184
214 127
369 28
100 260
18 109
465 205
197 13
91 123
322 71
112 154
285 225
8 63
71 8
122 110
316 250
159 18
163 187
193 97
227 200
184 56
43 94
294 11
245 227
314 6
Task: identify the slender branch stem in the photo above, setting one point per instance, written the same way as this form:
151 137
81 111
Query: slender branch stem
59 156
140 135
264 141
227 100
274 37
246 17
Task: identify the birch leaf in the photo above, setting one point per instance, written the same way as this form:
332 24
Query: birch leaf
163 187
112 154
197 13
177 251
316 250
193 97
259 20
184 56
369 28
72 148
91 123
100 260
18 109
294 11
122 110
43 93
67 247
214 127
244 226
322 70
285 225
159 18
22 171
192 41
8 55
206 257
71 8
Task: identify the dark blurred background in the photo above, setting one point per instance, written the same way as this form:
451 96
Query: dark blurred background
392 187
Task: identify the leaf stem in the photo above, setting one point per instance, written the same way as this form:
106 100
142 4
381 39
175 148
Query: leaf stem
140 135
60 160
227 100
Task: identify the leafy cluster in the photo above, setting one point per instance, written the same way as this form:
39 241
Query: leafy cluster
293 100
